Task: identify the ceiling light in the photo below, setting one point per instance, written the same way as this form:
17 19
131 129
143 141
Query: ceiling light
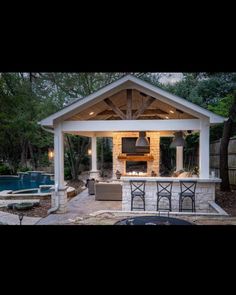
172 112
91 113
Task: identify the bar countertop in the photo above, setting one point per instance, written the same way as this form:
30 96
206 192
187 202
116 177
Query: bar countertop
174 179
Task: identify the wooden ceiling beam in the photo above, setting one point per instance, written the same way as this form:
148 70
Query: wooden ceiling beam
129 104
115 109
146 112
143 107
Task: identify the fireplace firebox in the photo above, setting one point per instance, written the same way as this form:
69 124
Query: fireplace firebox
136 166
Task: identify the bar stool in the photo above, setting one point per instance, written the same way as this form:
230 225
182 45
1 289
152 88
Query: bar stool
137 191
164 190
187 190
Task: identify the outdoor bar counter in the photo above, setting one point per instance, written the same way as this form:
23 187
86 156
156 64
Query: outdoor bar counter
205 192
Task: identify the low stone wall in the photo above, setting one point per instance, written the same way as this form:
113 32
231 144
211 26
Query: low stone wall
205 193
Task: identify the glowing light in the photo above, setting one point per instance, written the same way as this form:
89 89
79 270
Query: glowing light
172 112
91 113
89 152
167 117
50 154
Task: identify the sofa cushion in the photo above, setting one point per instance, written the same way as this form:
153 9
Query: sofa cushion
108 191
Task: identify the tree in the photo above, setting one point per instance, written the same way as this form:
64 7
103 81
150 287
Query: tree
21 138
227 133
215 92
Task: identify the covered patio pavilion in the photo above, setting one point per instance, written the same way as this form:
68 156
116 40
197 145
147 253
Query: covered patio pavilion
123 109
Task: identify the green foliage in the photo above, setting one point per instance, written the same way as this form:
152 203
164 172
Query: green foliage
190 151
209 90
192 141
23 169
5 170
67 172
222 106
104 152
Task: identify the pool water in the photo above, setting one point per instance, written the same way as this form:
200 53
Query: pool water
17 183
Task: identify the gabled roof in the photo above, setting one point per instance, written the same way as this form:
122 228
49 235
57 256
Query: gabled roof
131 82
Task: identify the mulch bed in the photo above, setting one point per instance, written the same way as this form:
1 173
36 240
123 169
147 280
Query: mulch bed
226 200
37 211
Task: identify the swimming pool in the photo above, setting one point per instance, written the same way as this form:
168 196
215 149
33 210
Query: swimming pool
29 180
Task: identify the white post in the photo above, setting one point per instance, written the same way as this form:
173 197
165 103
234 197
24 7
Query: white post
179 158
94 173
60 190
204 149
94 153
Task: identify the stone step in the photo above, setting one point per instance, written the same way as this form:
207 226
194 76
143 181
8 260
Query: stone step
4 203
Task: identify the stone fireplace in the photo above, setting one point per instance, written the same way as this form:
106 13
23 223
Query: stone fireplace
144 164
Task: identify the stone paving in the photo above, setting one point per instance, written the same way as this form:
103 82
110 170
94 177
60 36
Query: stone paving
13 219
79 207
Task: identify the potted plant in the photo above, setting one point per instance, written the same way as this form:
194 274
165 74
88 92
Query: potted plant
195 172
118 174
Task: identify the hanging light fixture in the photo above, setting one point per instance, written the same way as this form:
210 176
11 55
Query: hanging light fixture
178 140
142 141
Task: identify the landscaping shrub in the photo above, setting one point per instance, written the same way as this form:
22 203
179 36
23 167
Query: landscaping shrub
67 173
23 169
5 170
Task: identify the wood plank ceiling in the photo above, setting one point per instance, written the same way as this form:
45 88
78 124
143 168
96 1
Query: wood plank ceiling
130 105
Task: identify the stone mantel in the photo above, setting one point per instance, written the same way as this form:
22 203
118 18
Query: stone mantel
136 158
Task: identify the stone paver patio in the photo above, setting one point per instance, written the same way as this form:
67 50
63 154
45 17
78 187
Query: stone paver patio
13 219
78 207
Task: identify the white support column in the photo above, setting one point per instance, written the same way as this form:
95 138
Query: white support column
204 149
179 158
94 153
60 194
94 173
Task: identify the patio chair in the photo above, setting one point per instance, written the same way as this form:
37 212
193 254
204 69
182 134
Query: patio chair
164 190
137 191
187 190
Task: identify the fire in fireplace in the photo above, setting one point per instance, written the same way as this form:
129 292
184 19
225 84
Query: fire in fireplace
136 167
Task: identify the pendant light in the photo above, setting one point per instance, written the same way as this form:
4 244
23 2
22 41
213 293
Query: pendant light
178 140
142 141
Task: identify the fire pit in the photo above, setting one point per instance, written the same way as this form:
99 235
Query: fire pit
152 220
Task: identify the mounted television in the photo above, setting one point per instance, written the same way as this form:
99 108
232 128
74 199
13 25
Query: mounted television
128 146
